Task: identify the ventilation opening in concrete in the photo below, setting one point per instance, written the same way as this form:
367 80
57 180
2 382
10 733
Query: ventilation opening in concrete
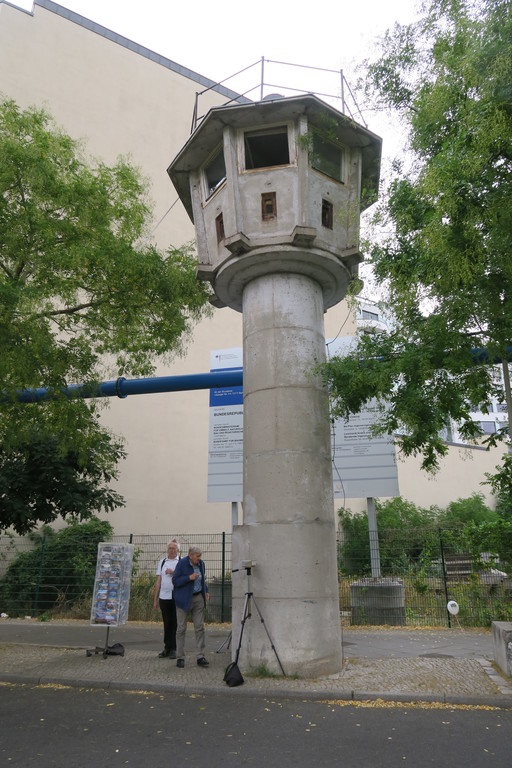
268 206
327 215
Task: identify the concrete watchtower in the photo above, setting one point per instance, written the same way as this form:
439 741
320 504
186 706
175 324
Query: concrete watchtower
275 190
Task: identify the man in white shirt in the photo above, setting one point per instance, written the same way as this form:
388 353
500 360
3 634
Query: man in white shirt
164 599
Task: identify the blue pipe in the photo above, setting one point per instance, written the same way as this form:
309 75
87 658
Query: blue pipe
123 387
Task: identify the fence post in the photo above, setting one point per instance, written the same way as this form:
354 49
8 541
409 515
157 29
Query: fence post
374 538
223 580
36 596
445 579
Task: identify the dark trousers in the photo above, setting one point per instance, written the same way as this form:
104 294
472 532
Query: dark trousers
168 608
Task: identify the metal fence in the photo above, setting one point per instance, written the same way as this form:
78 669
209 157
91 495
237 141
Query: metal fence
421 572
46 577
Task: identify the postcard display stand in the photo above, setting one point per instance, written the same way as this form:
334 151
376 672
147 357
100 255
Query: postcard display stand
111 596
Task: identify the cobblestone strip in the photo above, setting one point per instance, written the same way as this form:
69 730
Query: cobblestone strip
503 685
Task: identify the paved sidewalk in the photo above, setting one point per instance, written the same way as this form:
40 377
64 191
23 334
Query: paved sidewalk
443 665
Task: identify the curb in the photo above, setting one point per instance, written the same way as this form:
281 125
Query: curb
313 694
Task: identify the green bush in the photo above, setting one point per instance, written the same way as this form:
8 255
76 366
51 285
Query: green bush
401 528
494 536
57 573
463 511
354 549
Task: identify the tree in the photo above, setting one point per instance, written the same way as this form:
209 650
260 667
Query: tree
39 482
443 250
83 295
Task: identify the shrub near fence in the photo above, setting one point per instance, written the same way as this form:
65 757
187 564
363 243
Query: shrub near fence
51 571
37 579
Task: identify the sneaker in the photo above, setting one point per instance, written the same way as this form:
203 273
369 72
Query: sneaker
164 654
180 663
202 662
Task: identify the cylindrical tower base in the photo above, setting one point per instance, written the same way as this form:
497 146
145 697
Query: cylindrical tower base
289 526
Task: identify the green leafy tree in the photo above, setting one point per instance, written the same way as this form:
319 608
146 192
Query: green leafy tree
83 295
400 513
410 536
504 506
39 482
405 531
443 241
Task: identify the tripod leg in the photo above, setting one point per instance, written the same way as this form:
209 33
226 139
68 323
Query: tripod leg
246 615
225 643
268 635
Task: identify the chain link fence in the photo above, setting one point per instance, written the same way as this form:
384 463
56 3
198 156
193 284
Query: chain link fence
52 576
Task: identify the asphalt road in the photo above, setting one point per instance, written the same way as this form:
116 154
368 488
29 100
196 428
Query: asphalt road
56 726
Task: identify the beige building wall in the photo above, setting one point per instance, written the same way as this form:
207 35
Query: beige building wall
461 473
122 99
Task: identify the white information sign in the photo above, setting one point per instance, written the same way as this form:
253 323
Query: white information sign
226 432
363 465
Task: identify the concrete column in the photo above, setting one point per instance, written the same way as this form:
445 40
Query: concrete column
288 519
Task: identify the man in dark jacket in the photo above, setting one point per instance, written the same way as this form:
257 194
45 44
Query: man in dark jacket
190 595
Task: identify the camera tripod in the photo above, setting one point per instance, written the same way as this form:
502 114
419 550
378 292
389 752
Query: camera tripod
249 598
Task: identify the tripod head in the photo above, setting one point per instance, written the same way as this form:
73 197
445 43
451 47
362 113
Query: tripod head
245 565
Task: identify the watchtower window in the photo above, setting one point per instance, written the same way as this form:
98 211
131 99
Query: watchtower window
327 158
266 148
215 172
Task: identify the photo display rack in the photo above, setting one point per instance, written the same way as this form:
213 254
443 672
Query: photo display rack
111 594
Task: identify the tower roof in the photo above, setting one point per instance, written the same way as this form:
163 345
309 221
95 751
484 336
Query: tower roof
320 115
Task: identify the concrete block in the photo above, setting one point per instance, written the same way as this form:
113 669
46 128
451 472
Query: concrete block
502 637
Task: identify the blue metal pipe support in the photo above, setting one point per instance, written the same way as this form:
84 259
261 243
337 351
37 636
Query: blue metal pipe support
122 387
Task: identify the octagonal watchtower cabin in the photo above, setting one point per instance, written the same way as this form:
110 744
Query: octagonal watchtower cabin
269 181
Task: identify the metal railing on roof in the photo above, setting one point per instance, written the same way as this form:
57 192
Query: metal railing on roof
343 98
